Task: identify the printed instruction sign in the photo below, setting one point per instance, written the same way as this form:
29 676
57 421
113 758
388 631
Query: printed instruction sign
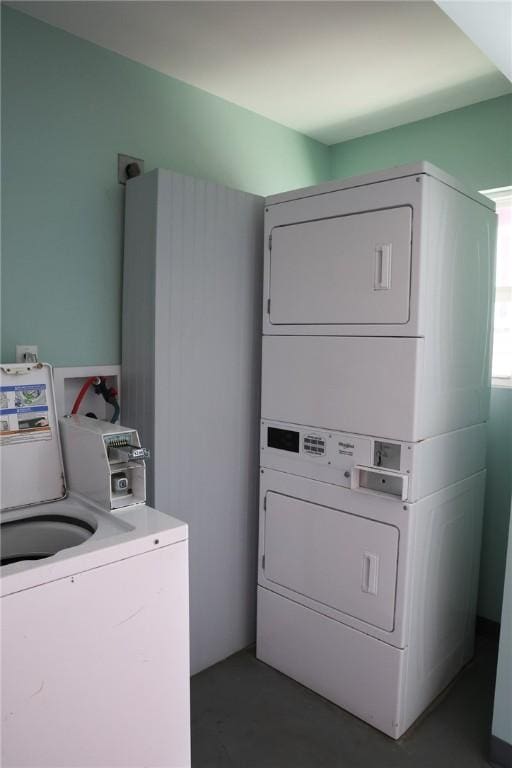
24 413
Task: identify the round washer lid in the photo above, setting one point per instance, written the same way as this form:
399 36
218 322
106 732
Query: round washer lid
30 454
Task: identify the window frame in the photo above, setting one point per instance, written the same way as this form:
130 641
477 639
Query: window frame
499 196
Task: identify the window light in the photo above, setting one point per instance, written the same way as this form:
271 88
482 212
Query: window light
502 345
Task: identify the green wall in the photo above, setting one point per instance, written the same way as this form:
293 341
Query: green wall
498 493
68 108
474 144
502 715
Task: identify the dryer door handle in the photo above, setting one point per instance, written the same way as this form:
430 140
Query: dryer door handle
370 575
382 277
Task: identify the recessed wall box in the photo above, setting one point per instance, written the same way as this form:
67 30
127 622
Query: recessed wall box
69 381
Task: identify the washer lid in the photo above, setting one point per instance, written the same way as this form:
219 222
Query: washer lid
30 455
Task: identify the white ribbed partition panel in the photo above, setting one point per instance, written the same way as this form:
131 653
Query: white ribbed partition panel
191 378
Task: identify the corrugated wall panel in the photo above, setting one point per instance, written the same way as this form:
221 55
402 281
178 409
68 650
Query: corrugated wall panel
138 328
207 315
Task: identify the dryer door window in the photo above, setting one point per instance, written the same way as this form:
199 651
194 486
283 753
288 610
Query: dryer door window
352 269
339 560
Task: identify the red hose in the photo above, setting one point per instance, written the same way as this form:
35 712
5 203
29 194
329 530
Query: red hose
81 394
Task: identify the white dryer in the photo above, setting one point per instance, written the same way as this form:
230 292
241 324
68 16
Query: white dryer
365 599
378 297
95 657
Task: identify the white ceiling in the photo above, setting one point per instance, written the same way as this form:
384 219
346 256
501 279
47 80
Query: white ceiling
331 70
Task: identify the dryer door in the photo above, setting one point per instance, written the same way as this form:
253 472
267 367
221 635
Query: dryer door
353 269
337 559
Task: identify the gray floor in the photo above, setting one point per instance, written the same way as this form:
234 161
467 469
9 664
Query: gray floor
247 715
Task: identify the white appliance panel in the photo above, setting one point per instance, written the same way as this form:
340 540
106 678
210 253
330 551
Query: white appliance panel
331 456
402 172
353 204
348 667
352 269
346 562
451 261
435 605
95 666
446 459
353 384
444 583
311 452
457 296
302 546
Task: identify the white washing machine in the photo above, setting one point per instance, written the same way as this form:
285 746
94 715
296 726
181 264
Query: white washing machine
94 601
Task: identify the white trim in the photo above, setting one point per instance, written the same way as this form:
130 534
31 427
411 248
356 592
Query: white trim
501 383
500 195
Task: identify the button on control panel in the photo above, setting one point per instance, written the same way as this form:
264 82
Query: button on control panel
314 445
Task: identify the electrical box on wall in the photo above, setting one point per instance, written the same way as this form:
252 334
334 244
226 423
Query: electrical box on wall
128 168
26 353
69 381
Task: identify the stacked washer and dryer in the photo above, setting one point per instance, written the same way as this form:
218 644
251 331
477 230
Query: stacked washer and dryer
375 394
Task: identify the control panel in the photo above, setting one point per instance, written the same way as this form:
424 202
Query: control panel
368 464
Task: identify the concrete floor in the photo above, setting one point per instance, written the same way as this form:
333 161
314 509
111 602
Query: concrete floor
247 715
